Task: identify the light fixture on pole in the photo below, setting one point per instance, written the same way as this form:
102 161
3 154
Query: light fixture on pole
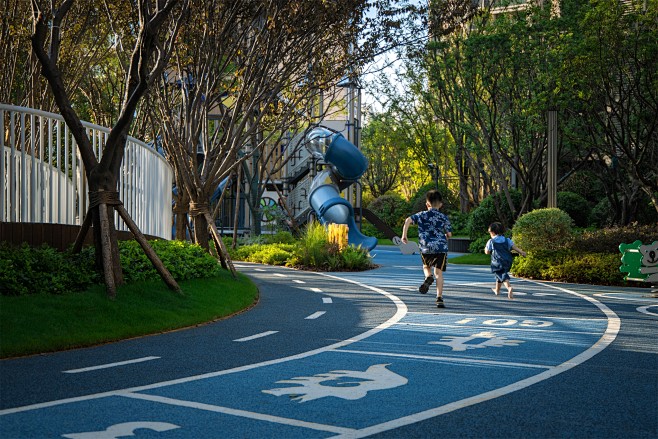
435 174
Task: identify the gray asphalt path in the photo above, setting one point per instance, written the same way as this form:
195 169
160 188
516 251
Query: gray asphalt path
363 354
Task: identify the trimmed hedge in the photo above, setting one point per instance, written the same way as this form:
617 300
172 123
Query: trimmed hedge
28 270
572 267
608 240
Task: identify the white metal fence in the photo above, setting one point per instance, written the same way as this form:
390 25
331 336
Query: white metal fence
43 179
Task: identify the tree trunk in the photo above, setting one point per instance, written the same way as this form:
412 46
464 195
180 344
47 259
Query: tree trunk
200 224
236 215
224 257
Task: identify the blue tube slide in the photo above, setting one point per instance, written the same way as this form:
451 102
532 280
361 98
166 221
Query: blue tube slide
347 165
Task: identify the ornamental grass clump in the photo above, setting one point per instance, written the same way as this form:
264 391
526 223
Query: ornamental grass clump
337 234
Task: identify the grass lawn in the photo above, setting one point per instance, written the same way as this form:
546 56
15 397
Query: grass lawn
472 259
44 323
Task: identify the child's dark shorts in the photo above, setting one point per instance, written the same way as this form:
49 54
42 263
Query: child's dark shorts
501 275
437 260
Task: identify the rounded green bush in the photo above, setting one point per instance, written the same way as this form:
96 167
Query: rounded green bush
486 213
543 229
478 244
576 206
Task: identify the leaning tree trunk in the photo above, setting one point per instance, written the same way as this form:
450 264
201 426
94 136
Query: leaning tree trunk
103 203
204 230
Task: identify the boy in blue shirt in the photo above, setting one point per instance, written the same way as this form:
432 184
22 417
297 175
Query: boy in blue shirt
500 248
434 229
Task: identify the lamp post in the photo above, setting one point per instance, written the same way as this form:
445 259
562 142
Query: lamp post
435 174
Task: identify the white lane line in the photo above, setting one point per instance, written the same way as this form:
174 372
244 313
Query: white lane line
614 324
449 359
315 315
316 290
645 310
401 311
258 269
280 275
108 365
255 336
235 412
297 281
327 300
477 326
543 294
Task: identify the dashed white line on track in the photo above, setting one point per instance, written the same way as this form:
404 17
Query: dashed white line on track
327 300
255 336
315 315
107 366
297 281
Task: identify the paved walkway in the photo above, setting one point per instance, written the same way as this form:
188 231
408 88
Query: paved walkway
363 354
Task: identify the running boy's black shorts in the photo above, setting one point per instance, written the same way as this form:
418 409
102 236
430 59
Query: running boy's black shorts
435 260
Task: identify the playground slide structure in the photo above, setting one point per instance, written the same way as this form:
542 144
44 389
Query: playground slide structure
346 164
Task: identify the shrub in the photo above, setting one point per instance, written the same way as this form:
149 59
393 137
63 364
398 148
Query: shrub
459 222
608 240
368 229
575 206
534 265
355 258
30 270
570 266
182 259
486 213
587 268
602 214
26 270
313 250
542 229
477 245
271 254
391 209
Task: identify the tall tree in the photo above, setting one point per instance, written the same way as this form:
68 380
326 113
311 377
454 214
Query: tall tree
243 75
615 82
385 144
156 28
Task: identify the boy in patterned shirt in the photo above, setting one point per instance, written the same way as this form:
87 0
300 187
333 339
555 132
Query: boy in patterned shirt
434 229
